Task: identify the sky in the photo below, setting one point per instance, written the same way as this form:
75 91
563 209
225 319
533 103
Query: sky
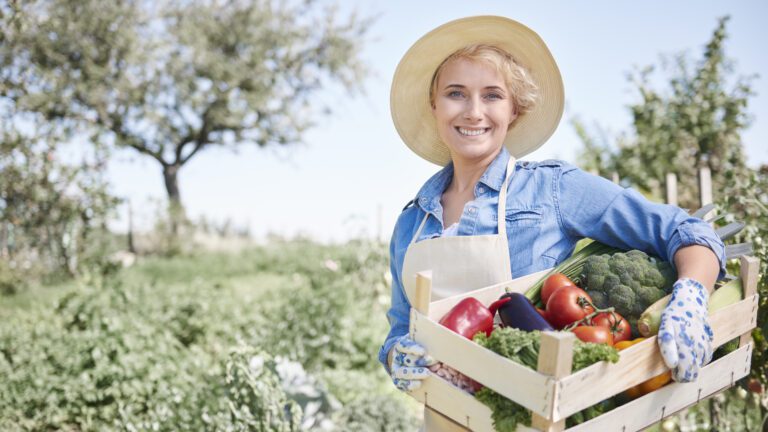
353 174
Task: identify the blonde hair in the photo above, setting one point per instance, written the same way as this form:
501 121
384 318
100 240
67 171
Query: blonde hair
524 91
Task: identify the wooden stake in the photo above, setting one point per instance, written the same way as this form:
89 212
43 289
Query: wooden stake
556 360
671 189
749 274
705 189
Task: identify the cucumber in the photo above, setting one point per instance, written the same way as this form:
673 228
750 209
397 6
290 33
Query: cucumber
728 294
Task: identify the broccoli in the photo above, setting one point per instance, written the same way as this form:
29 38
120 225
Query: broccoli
629 281
622 297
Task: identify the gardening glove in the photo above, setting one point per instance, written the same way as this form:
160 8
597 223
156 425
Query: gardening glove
685 337
410 364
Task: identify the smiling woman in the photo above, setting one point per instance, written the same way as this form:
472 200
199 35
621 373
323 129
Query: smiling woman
472 96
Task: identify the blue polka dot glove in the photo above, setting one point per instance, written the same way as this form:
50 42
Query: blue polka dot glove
685 338
410 364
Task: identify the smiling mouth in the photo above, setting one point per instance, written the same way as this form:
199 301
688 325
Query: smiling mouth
472 132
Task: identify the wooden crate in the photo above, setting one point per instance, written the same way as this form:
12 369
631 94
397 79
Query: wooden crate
553 393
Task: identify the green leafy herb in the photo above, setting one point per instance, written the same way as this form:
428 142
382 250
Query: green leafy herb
523 347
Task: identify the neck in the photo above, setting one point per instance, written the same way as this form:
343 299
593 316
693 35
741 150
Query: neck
466 173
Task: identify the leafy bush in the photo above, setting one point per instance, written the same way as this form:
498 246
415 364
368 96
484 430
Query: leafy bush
151 347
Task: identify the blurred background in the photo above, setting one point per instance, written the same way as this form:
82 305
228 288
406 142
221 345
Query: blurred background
170 170
351 153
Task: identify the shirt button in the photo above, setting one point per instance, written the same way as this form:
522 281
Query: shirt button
481 189
423 200
471 209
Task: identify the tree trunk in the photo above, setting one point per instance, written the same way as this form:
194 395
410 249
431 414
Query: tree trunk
175 209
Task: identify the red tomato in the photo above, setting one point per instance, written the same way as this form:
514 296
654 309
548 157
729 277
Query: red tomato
568 305
755 386
594 334
554 283
614 322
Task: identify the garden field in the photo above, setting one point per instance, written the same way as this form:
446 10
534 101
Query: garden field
281 337
277 338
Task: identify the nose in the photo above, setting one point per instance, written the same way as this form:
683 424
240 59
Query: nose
473 110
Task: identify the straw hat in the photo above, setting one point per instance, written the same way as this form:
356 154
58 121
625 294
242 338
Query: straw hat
409 98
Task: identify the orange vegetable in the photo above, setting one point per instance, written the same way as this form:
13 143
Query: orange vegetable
648 386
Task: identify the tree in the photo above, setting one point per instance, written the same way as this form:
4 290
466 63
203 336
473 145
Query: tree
697 122
51 211
170 79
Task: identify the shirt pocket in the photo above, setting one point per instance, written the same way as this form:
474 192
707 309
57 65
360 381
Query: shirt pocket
524 217
523 228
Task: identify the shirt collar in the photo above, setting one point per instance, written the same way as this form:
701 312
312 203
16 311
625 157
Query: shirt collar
428 197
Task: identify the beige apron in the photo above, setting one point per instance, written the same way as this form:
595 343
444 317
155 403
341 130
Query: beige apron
459 264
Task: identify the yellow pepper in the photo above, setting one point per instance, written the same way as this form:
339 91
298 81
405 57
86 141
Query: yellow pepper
647 386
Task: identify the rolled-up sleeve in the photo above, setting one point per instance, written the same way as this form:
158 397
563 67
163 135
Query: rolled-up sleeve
398 314
591 206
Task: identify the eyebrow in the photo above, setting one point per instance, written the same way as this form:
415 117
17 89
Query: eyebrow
485 88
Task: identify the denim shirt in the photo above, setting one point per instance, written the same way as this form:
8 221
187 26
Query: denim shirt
551 205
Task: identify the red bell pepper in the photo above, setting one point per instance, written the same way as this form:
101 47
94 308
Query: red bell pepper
468 317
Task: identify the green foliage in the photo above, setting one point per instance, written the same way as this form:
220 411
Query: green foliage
523 347
257 400
11 280
746 197
190 343
52 212
376 413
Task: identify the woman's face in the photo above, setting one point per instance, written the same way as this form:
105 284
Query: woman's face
473 109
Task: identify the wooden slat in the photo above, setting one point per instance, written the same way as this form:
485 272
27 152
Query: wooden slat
643 361
556 360
749 274
485 295
653 407
423 292
455 404
522 385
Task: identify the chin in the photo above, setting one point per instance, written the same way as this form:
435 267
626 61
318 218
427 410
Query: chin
476 152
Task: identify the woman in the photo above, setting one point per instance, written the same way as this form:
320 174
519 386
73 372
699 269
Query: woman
473 96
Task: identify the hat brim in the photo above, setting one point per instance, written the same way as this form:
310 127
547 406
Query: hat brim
409 97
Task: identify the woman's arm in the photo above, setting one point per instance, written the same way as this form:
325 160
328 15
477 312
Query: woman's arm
698 263
591 206
398 314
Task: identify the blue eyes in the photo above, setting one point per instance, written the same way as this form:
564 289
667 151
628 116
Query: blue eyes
459 94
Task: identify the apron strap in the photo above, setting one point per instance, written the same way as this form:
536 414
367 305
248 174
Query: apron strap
421 226
502 212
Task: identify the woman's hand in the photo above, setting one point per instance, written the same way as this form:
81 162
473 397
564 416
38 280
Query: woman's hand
410 363
685 337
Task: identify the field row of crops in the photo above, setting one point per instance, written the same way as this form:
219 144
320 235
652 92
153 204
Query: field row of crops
277 338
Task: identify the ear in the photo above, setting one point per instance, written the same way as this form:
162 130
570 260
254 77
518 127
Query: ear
513 117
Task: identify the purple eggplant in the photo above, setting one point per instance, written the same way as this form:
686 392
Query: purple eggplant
516 311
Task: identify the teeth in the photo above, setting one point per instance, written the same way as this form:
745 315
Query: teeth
469 132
